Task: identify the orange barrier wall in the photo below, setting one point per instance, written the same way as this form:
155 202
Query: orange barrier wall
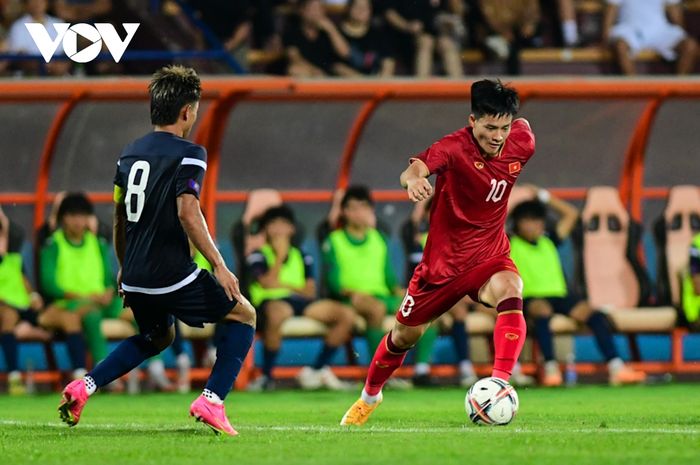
224 94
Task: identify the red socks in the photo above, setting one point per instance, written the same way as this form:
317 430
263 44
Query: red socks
508 337
387 358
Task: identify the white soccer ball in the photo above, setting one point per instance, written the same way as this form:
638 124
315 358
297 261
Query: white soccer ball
491 401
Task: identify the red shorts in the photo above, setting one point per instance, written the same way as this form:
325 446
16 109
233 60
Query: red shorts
425 301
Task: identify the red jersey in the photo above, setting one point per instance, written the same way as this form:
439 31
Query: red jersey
468 212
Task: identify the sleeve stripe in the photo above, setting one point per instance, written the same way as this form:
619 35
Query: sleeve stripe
193 161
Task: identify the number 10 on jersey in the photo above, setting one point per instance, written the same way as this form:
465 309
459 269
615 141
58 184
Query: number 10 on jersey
136 192
498 188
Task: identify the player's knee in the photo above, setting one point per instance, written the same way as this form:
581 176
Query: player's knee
406 337
508 290
8 319
71 322
163 340
347 316
244 313
581 312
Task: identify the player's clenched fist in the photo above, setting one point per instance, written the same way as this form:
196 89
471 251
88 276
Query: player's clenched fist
419 189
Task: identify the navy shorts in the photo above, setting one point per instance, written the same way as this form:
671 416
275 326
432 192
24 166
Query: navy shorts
560 305
201 301
30 316
297 302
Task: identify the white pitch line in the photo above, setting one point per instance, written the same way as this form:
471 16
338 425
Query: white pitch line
370 429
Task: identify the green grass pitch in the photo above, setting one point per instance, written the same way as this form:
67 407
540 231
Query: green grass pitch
583 425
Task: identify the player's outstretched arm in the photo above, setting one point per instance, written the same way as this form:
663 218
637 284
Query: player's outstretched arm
195 226
414 180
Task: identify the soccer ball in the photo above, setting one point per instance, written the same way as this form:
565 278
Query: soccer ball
491 401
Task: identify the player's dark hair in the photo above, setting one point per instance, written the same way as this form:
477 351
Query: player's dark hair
493 98
360 193
74 203
530 209
281 212
171 88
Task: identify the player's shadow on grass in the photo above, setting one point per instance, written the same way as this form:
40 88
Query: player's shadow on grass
97 431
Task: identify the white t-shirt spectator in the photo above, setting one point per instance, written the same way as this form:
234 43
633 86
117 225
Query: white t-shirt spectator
20 41
643 24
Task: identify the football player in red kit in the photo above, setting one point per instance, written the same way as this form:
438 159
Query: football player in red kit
467 252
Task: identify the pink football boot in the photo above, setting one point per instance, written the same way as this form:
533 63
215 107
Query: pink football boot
212 415
74 398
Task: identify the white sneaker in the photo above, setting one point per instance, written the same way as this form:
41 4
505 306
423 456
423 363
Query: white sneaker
331 381
518 378
399 384
467 376
157 376
184 383
467 379
309 378
260 384
133 382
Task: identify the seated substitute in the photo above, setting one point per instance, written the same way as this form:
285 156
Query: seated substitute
360 273
544 285
283 286
76 273
20 310
691 287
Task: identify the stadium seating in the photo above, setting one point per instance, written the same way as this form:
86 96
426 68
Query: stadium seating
673 232
610 274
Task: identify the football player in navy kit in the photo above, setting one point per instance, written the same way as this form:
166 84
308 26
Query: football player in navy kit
156 194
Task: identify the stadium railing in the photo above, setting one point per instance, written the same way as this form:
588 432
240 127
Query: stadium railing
225 94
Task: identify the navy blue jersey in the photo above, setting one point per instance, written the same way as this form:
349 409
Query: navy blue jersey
152 172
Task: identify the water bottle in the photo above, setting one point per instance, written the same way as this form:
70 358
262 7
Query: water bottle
570 375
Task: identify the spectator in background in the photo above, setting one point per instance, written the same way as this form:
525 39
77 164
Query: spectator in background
421 27
21 306
76 272
632 26
19 41
691 287
544 285
240 25
313 43
283 286
368 48
359 270
511 25
14 295
82 11
569 27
